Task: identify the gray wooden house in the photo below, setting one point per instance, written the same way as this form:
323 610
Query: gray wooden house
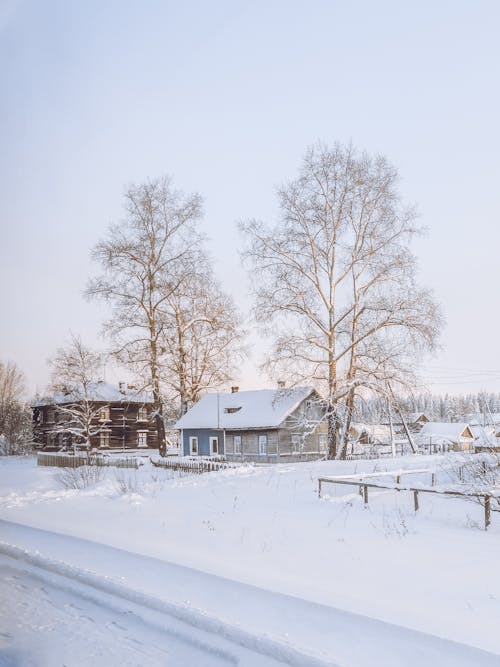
266 425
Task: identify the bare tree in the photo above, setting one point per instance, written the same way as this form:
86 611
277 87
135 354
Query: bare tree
337 283
75 370
203 339
146 260
15 417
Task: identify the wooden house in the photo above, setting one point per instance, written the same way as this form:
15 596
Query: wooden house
122 418
265 425
444 436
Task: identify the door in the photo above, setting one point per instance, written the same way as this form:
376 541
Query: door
262 445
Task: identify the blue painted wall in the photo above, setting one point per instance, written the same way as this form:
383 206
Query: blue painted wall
203 436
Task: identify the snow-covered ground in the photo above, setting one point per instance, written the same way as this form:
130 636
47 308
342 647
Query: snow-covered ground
322 573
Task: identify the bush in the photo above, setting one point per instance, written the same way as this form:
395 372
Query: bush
81 477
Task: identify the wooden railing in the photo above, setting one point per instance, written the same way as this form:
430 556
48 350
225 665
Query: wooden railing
363 483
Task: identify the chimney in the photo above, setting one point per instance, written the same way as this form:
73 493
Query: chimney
234 390
281 384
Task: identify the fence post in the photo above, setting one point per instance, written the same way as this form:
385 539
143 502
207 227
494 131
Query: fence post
415 500
433 479
319 488
487 512
365 494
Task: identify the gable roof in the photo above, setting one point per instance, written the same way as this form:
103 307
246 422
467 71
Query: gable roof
414 417
448 430
100 392
262 408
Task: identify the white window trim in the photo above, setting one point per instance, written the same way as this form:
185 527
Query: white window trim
142 419
239 449
108 412
107 436
266 441
193 438
139 434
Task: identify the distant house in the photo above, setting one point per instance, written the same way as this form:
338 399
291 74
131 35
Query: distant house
413 420
486 439
444 436
370 434
266 425
123 418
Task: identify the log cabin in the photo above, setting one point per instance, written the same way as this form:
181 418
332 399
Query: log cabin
123 419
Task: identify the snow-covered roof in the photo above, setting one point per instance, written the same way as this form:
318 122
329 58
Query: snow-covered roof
447 430
484 436
378 433
262 408
100 392
414 417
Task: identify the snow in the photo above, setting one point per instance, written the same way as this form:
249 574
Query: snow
451 430
263 408
101 392
253 556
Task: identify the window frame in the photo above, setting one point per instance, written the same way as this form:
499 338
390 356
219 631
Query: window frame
105 410
140 436
237 449
192 451
211 440
263 439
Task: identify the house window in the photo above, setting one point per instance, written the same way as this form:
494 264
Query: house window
104 415
214 445
142 414
297 444
50 439
231 411
323 442
263 445
237 444
104 439
142 438
193 445
51 415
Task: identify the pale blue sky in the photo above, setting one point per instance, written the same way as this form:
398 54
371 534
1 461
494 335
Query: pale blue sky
225 96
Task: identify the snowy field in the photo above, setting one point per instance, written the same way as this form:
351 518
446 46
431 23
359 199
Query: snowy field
243 566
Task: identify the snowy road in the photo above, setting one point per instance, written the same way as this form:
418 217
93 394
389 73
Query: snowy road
69 601
44 622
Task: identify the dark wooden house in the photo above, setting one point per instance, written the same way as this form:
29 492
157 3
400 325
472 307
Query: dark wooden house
122 418
267 425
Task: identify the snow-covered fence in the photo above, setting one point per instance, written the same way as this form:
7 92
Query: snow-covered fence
364 482
195 466
70 461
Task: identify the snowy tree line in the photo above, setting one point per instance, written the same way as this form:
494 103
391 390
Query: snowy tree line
437 407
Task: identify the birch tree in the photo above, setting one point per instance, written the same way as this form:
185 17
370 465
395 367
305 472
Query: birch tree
145 260
203 339
170 320
15 417
75 370
337 286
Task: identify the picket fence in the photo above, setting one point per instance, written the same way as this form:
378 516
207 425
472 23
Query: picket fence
195 466
70 461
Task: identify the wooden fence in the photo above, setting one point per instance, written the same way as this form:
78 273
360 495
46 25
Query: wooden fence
194 466
70 461
364 484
